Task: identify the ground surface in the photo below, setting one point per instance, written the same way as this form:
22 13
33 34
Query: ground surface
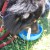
43 43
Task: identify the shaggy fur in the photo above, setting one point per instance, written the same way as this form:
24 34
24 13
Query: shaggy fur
24 7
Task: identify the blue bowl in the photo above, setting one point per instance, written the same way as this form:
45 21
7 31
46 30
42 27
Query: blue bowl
33 36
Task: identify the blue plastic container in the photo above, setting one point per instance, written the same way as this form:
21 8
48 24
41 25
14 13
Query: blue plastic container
33 36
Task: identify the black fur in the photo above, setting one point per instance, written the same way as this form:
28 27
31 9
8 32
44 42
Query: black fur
1 4
33 7
19 9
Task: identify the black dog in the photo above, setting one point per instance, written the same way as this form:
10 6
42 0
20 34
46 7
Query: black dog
23 11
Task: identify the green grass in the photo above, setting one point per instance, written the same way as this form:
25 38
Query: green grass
39 44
